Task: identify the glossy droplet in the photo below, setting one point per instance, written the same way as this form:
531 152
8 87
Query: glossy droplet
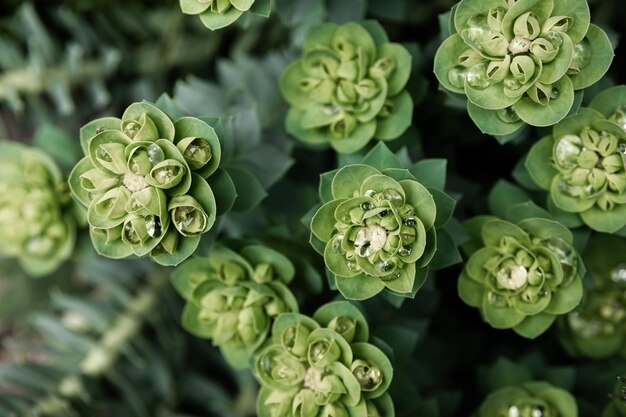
554 38
344 324
155 154
511 83
368 377
410 221
166 174
567 150
618 274
103 154
384 266
289 338
351 265
153 225
537 411
337 244
370 193
267 362
543 293
367 206
130 233
508 115
513 411
404 250
319 350
582 54
394 197
383 213
457 76
554 94
131 129
622 146
565 254
496 299
477 77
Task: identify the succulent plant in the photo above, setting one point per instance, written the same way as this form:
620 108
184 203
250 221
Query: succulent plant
531 399
233 297
36 224
378 231
143 182
348 87
323 366
216 14
519 61
524 275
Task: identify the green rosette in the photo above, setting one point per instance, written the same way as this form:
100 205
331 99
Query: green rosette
323 366
217 14
522 276
143 182
531 399
520 62
348 87
36 224
233 297
582 163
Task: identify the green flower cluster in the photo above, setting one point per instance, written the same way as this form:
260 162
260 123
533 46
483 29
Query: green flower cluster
520 61
523 275
36 226
216 14
143 182
378 231
323 366
582 164
531 399
232 297
348 87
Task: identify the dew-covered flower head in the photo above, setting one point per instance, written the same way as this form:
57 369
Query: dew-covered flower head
531 399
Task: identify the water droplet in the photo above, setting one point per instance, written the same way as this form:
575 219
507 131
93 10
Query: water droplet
543 293
367 206
567 150
511 83
565 254
289 338
337 244
582 54
513 411
404 250
410 221
508 115
622 146
457 76
153 225
131 128
318 350
496 299
155 154
477 77
166 174
130 233
370 193
537 411
554 38
103 154
618 274
344 324
383 213
554 94
384 266
369 377
351 265
394 197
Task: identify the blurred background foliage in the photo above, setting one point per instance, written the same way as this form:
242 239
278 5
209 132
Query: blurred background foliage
102 338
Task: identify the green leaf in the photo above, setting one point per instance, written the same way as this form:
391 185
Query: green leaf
605 221
600 60
471 292
224 191
546 115
349 179
501 318
538 163
503 195
447 253
404 283
430 172
193 7
381 158
445 206
325 188
566 298
250 191
359 287
163 123
215 21
262 7
323 222
490 122
446 60
545 229
534 326
607 101
398 121
402 60
188 276
421 200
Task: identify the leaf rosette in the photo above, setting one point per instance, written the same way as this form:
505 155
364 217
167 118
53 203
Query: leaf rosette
36 226
323 366
143 181
232 298
531 399
217 14
519 61
348 87
523 275
582 165
378 231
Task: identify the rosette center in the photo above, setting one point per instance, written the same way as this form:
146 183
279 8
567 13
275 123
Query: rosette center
134 182
369 240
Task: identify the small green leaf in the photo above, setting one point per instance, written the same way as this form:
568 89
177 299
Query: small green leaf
534 326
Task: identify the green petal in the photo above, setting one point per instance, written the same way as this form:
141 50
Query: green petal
534 326
356 140
566 202
541 9
404 283
282 266
163 123
538 163
376 357
215 21
398 121
193 7
402 60
471 292
337 262
601 57
326 313
546 115
491 123
243 5
561 400
359 287
187 127
349 179
475 267
467 9
578 10
501 318
544 229
607 101
493 231
446 60
565 299
422 201
94 127
78 192
320 35
554 70
605 221
323 223
109 245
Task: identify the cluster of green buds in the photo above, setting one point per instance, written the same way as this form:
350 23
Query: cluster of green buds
523 275
143 182
36 226
233 297
323 366
531 399
520 61
377 230
583 166
348 87
216 14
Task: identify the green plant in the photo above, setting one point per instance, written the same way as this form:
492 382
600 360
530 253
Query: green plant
216 14
530 399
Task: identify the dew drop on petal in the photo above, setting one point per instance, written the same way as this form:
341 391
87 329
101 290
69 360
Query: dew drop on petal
496 299
513 411
155 154
384 266
367 206
456 76
508 115
404 250
554 38
582 54
393 196
370 193
477 77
